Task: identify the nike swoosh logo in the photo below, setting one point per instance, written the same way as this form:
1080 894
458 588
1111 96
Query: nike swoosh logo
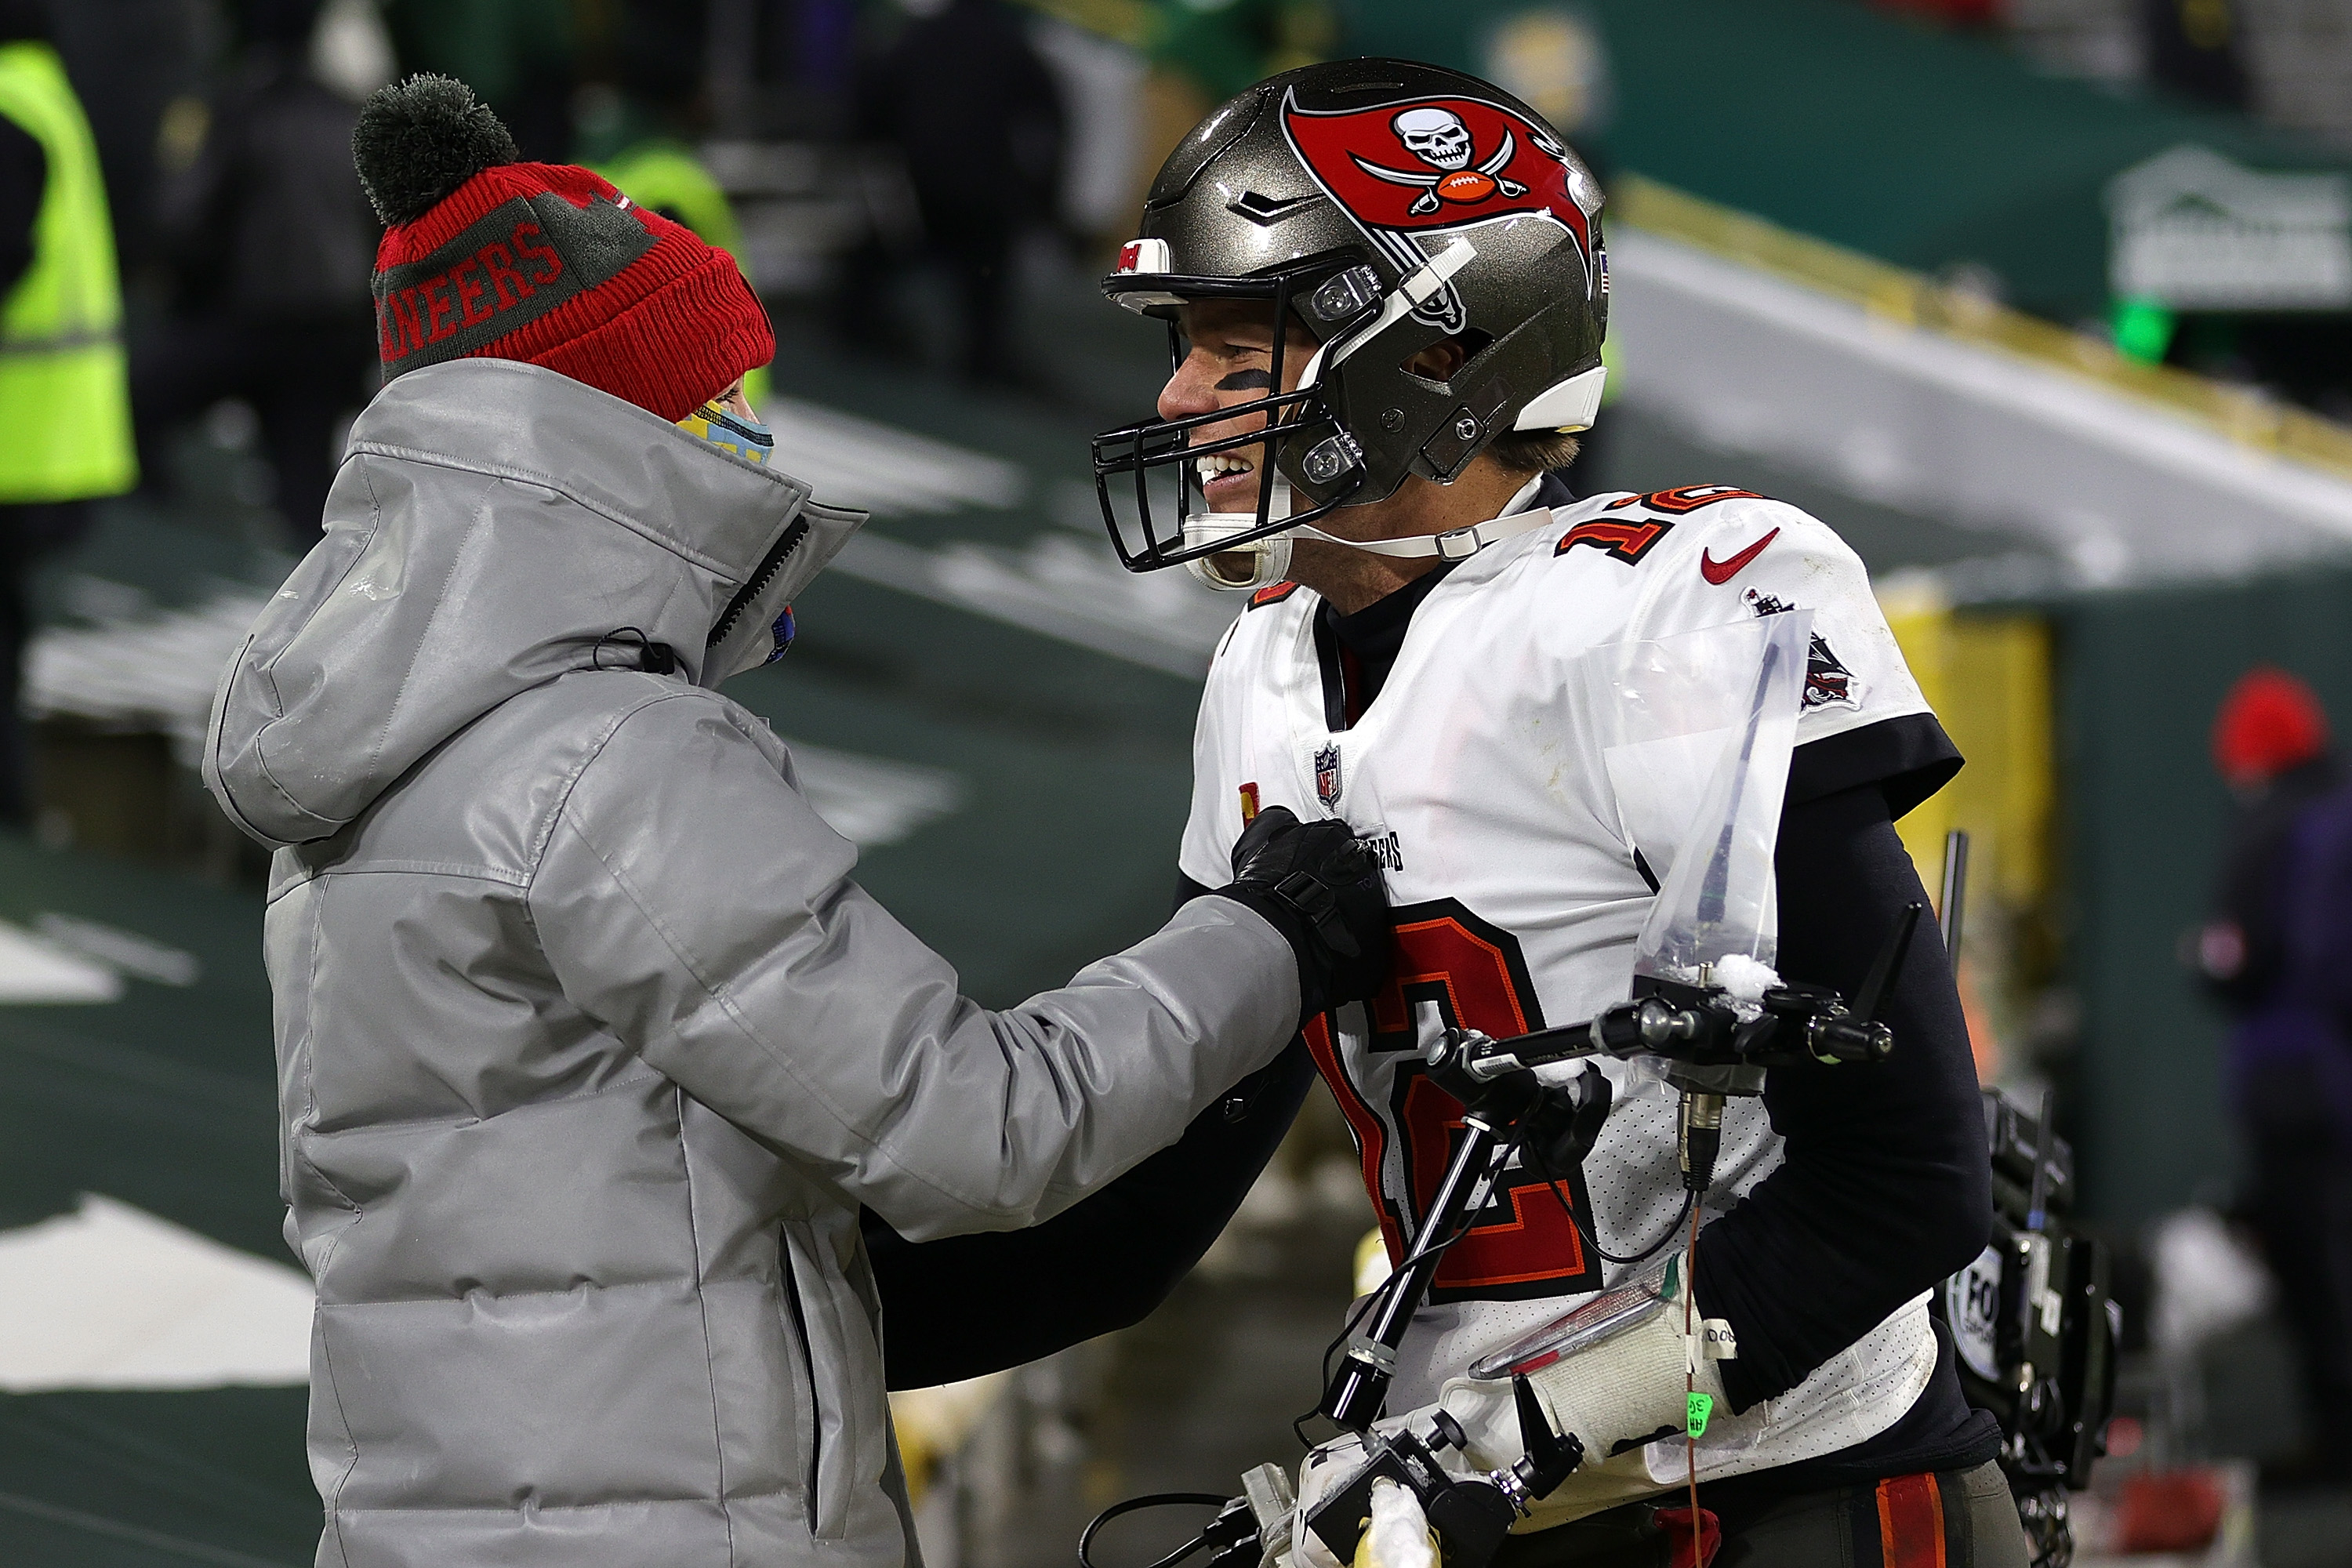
1721 572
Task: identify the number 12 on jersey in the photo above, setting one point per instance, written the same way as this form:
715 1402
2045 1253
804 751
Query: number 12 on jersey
1452 970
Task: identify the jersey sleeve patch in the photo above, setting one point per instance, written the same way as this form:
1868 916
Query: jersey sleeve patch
1828 682
1621 539
1272 594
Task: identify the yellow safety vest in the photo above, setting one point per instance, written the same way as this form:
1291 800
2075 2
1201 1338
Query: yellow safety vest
668 178
65 395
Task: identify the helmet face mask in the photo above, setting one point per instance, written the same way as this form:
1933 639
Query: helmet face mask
1383 207
1176 528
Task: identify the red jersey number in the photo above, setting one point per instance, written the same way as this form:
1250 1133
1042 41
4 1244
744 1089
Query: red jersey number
1454 969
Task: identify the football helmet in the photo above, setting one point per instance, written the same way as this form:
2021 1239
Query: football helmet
1385 206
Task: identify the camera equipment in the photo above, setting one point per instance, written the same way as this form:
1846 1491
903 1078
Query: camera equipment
1471 1516
1714 1045
2034 1332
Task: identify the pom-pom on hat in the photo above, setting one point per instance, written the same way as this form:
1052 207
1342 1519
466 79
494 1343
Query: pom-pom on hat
2270 722
488 256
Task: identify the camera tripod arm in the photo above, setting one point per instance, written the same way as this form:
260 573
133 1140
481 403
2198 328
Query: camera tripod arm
1650 1025
1357 1392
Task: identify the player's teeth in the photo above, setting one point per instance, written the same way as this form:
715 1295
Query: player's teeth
1216 463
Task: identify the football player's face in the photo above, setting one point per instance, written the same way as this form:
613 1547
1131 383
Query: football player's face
1229 361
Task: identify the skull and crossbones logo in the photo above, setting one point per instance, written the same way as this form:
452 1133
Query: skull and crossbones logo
1439 139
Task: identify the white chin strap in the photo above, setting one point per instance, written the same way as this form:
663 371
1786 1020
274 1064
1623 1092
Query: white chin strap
1245 568
1262 562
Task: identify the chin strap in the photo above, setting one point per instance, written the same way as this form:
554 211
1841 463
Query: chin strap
1454 545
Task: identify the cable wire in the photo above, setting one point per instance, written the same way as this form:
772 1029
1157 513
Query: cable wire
1584 1226
1150 1499
1690 1383
1423 1248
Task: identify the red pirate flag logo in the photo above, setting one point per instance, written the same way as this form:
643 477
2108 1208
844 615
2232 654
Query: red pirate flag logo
1439 139
1404 169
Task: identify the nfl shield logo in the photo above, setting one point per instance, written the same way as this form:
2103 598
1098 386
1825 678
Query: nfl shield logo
1327 775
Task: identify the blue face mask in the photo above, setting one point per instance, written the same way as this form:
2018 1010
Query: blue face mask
747 438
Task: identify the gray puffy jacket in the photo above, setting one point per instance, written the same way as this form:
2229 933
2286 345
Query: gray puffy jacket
588 1046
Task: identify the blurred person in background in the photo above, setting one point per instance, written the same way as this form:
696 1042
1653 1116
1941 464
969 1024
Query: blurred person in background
269 236
595 1048
2277 953
975 111
517 53
137 65
2198 49
65 415
637 129
1960 13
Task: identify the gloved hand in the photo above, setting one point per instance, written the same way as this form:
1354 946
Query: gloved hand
1316 886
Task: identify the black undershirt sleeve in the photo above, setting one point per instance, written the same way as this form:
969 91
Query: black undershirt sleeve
972 1304
1884 1188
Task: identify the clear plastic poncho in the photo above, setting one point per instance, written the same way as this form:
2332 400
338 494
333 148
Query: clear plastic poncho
1695 734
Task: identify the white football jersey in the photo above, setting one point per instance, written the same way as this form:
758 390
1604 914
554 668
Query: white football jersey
1518 891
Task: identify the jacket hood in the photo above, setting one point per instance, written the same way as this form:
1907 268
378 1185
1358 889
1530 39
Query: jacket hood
495 525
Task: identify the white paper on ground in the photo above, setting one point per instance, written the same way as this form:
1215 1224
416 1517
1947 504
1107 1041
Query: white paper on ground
33 970
112 1297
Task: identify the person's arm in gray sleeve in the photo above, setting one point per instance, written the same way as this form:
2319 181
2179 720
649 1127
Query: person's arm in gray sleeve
697 907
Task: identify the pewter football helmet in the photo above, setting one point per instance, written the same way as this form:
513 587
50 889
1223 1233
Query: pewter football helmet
1385 206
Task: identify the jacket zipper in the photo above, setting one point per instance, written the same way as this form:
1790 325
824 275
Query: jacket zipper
770 564
808 1369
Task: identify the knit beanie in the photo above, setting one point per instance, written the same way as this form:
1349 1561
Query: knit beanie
2270 722
488 256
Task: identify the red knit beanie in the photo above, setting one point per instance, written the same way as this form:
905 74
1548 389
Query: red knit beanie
488 256
2270 722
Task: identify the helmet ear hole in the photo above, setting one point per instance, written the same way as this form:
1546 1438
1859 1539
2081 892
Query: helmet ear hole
1441 362
1474 341
1433 367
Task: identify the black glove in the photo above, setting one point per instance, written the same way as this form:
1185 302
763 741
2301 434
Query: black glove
1316 886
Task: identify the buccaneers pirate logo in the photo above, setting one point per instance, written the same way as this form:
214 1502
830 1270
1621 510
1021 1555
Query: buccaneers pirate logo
1439 139
1402 171
1828 682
